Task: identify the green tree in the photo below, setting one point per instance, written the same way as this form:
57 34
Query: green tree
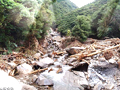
38 29
5 32
82 28
102 18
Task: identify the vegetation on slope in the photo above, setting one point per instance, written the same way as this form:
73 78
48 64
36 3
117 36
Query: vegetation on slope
20 19
62 7
99 11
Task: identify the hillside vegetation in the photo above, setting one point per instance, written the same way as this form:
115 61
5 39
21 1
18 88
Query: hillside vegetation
26 22
103 8
62 7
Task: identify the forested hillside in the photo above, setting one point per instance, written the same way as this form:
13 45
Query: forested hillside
62 7
54 45
28 21
24 20
91 11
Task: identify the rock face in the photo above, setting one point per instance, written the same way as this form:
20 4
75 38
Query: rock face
45 62
44 81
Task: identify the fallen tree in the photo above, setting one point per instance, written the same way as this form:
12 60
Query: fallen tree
81 56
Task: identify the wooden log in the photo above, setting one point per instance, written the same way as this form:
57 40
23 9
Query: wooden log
94 53
39 70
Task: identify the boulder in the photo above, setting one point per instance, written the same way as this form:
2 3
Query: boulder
74 50
44 81
24 68
8 82
76 79
45 62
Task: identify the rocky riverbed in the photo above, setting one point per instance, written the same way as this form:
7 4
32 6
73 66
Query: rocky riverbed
66 65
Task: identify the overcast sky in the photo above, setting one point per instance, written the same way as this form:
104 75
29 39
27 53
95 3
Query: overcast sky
81 3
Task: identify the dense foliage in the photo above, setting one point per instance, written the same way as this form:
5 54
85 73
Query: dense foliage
101 12
62 7
22 18
82 28
103 18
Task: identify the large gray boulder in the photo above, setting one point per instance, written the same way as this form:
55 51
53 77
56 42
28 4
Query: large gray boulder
45 62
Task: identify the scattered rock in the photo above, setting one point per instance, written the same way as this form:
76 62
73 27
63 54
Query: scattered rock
44 81
94 69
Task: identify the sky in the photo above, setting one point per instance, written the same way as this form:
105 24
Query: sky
81 3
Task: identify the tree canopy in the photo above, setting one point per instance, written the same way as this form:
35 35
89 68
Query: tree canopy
19 18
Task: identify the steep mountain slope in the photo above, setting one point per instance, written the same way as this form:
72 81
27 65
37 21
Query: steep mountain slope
62 7
68 20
